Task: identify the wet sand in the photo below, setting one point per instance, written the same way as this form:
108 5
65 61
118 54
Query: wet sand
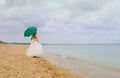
14 64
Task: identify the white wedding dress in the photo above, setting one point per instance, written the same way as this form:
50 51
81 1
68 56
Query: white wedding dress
35 49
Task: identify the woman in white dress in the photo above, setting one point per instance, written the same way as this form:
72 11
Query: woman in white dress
35 48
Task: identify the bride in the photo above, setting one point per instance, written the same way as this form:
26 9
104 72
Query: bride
35 48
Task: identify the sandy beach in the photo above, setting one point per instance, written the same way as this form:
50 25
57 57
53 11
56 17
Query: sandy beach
14 64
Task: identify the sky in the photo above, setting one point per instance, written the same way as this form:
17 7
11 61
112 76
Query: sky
61 21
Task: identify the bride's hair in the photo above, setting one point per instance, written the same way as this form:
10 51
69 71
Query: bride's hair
34 36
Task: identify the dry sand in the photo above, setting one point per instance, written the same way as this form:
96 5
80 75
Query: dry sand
14 64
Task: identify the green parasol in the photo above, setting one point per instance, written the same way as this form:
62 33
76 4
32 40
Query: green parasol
30 31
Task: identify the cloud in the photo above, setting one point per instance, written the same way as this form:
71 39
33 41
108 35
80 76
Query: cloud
80 21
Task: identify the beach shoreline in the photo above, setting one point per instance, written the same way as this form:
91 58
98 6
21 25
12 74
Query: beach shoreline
14 64
83 68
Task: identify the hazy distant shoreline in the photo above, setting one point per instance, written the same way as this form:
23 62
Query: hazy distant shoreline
61 44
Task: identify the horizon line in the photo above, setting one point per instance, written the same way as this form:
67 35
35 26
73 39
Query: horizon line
59 43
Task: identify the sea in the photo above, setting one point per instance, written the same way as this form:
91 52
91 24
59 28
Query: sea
103 54
96 57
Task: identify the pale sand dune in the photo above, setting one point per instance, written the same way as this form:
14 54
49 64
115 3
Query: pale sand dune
14 64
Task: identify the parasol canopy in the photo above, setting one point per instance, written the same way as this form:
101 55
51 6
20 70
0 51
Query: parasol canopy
30 31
